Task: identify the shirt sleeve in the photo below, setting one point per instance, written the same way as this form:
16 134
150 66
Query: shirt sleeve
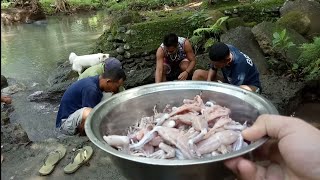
90 97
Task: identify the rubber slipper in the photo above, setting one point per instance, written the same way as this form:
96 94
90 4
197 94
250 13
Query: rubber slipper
51 160
83 155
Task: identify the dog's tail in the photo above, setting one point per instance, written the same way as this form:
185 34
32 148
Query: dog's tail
72 57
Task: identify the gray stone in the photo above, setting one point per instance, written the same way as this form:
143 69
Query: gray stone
13 89
310 8
284 93
139 60
120 50
4 82
4 118
263 33
120 58
139 77
62 74
243 39
145 53
127 55
13 134
126 46
116 45
52 94
227 12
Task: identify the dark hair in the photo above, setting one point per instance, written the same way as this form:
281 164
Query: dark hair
219 52
170 40
115 74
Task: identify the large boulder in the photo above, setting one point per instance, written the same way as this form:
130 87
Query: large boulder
4 82
296 20
243 39
308 7
284 93
139 77
263 33
62 74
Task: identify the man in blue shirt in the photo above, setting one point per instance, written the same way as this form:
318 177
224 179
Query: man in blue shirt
237 68
83 95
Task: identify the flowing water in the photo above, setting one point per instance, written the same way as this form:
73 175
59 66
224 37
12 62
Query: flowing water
30 52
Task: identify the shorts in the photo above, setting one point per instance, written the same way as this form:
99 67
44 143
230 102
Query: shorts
70 125
173 69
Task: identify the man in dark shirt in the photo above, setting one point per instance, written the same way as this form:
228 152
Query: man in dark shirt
237 68
83 95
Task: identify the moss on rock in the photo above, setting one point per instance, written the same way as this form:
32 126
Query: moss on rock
147 36
297 21
235 22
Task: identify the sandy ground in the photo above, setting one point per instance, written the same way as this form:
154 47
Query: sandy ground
24 161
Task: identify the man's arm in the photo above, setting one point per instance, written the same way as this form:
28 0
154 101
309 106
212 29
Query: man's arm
190 55
159 66
212 74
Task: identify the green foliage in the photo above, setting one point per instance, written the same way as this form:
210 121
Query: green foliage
205 37
282 41
198 19
142 4
309 60
209 43
215 29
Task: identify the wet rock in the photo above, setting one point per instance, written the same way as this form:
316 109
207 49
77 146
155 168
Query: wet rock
145 54
120 50
13 89
139 77
243 39
310 8
4 82
263 33
53 94
116 45
13 134
126 46
127 55
62 74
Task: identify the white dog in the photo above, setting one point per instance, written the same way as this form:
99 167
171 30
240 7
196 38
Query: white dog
80 62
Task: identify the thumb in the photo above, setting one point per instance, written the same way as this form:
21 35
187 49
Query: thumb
274 126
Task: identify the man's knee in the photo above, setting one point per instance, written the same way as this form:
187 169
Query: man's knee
199 74
86 113
184 64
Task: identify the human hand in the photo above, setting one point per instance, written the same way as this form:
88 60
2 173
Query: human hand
183 75
6 99
293 154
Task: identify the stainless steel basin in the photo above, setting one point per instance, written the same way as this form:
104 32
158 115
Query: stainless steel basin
114 115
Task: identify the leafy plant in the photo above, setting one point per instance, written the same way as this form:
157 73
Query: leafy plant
309 60
206 37
198 19
282 41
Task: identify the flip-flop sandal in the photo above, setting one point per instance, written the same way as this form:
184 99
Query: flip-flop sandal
83 155
51 160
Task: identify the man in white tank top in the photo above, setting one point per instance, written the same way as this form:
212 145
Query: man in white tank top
175 59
